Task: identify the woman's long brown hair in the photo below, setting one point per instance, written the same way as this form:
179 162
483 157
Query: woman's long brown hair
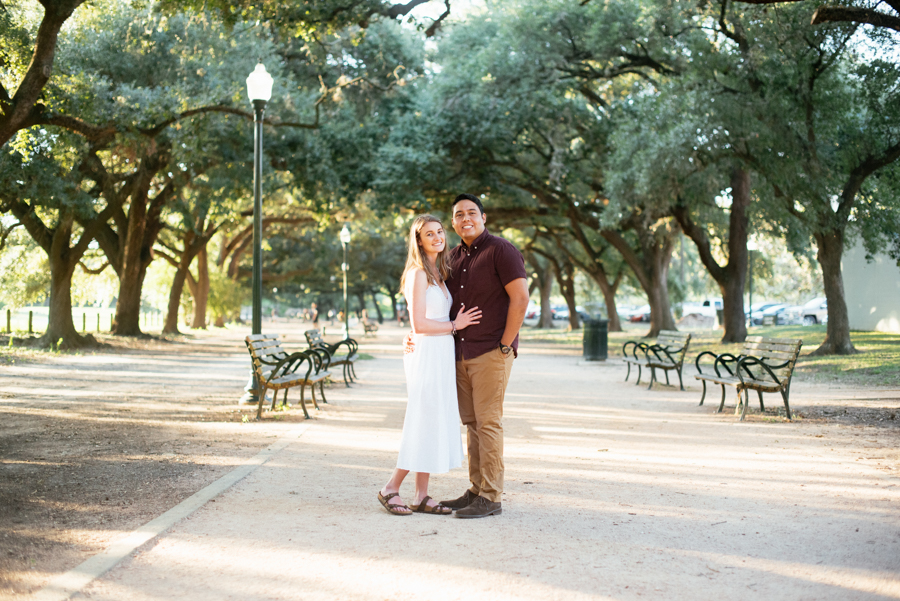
415 258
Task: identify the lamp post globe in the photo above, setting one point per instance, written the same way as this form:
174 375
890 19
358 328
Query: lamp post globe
259 84
259 91
345 241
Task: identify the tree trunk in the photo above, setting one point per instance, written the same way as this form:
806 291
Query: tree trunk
393 296
181 273
63 258
546 276
734 319
609 297
201 292
837 337
361 299
128 305
658 295
135 258
61 330
595 269
377 307
565 277
731 277
651 268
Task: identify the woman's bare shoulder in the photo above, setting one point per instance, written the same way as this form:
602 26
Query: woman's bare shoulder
415 273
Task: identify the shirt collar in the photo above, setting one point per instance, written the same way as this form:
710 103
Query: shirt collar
475 243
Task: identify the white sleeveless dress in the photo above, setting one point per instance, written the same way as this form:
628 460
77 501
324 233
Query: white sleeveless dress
431 439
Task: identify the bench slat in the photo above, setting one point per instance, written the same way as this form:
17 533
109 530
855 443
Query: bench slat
261 344
255 337
780 348
782 357
269 352
774 340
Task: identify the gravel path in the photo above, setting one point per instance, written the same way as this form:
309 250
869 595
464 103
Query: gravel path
613 492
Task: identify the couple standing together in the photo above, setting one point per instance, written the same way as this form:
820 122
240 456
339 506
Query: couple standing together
466 307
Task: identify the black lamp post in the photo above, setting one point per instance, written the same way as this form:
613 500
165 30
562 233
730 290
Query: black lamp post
259 89
751 246
345 240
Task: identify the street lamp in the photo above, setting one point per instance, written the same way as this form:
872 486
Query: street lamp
751 246
259 89
345 240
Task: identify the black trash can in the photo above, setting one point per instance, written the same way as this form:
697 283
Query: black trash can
595 339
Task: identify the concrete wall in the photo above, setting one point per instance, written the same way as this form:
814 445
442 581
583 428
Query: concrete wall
872 290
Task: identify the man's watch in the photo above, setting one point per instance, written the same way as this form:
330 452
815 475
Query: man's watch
505 349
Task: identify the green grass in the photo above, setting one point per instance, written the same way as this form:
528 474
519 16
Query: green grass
877 364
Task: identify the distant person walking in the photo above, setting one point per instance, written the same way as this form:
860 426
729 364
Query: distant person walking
430 443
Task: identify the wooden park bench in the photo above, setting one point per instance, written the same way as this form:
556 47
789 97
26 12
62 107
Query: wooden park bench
369 327
276 369
764 365
667 354
336 354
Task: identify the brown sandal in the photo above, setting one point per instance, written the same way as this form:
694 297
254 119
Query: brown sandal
436 510
393 507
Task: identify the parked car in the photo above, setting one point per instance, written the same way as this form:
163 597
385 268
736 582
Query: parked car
756 312
771 316
562 312
641 314
815 311
790 316
708 307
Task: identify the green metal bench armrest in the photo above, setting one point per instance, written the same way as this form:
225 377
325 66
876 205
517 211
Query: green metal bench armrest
668 351
633 351
322 358
350 343
749 360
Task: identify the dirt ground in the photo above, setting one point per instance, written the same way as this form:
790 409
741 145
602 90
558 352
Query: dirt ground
613 491
97 443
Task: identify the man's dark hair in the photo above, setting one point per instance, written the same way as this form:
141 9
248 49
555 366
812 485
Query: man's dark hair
471 197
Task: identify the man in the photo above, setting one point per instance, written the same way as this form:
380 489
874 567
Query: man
488 273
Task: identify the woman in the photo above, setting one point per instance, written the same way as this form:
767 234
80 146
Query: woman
431 442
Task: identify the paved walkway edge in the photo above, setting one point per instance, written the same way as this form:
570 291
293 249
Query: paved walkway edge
65 585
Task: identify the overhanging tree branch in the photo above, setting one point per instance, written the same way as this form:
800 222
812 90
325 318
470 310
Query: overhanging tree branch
96 271
868 16
432 29
6 232
847 14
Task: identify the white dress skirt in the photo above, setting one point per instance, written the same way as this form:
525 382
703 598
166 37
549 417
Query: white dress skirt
431 440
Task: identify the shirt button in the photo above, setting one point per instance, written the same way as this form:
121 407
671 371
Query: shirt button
462 286
463 339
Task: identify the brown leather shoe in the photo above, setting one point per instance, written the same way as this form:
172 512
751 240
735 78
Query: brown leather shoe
463 501
480 508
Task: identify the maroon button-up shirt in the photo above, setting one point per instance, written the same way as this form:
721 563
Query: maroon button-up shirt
480 273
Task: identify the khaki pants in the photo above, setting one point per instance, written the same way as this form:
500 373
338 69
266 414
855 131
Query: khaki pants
481 386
